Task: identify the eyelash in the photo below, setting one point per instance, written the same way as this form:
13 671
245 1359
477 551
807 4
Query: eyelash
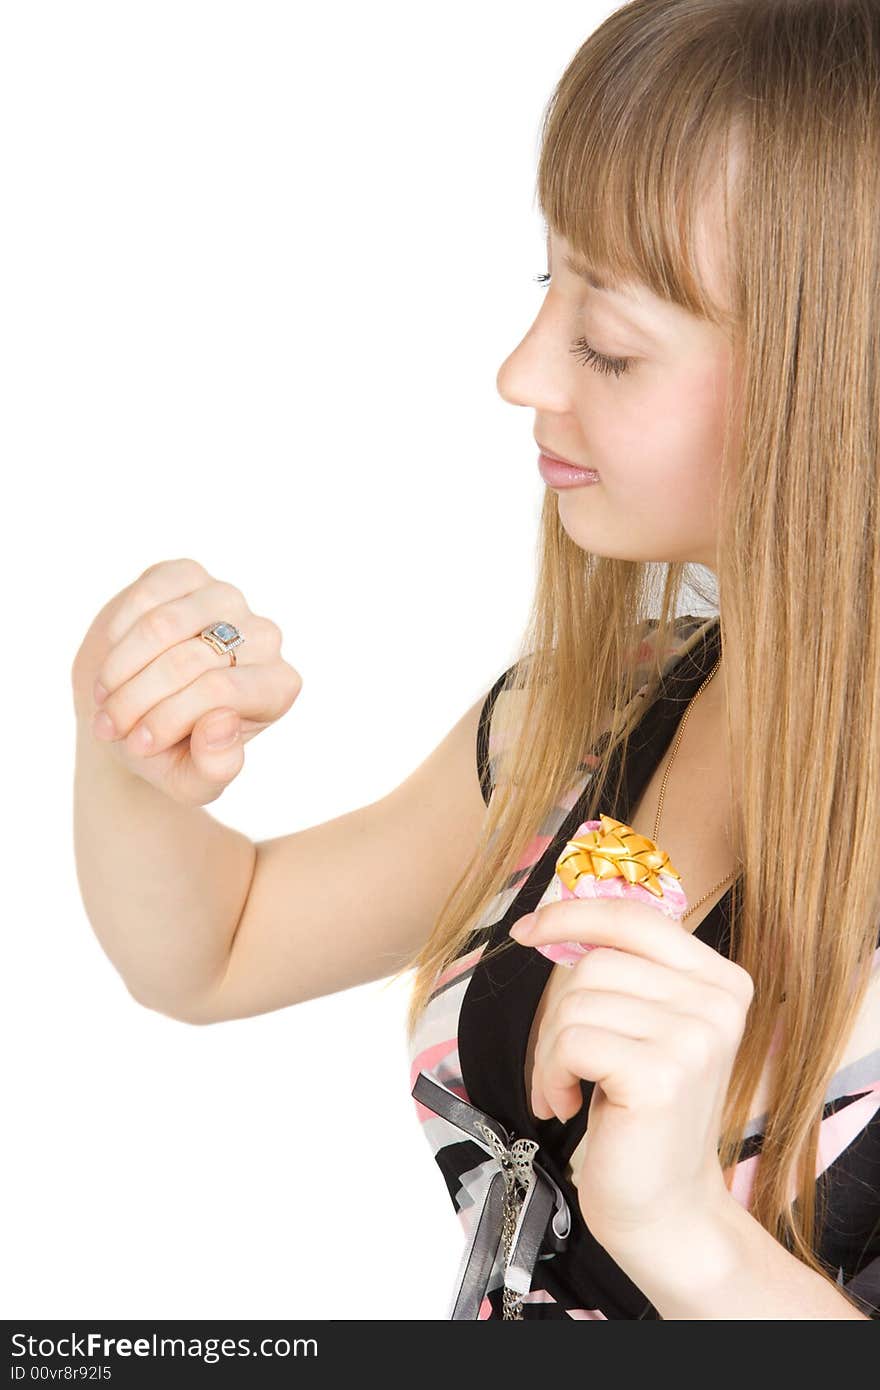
588 355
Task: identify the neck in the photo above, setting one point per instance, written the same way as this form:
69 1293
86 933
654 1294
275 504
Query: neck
717 698
714 700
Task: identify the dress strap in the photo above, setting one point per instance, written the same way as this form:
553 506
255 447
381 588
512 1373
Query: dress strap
520 1202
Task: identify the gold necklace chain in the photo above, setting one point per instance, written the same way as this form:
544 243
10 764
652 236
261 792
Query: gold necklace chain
730 877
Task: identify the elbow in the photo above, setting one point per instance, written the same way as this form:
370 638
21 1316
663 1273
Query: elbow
178 1013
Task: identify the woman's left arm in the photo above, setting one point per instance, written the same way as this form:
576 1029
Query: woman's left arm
656 1024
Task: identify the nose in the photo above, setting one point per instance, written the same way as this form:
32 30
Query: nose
535 374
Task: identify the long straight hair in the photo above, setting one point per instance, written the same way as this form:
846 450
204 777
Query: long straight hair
635 132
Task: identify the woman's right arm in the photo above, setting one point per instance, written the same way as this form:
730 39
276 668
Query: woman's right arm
202 923
348 901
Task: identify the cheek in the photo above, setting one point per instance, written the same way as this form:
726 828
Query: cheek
663 434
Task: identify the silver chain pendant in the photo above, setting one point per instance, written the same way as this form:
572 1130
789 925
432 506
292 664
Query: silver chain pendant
516 1165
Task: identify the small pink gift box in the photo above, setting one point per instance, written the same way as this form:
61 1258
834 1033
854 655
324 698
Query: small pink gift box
607 859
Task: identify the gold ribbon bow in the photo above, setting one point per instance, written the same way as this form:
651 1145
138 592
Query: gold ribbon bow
615 851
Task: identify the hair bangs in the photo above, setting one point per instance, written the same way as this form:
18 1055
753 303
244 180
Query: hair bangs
628 155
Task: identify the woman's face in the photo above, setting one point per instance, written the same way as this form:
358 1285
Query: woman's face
653 431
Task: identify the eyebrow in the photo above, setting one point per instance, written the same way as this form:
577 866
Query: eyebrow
586 272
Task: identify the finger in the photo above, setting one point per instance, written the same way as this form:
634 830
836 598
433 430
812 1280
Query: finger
618 1013
621 972
173 670
630 1072
195 774
169 624
216 747
259 693
622 923
159 583
668 996
556 1081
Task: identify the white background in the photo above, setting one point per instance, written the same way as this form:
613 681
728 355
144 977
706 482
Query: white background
261 263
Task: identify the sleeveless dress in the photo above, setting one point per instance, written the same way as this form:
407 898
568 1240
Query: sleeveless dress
467 1060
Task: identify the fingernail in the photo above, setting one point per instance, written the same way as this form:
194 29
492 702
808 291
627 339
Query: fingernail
142 738
102 725
523 926
100 693
222 732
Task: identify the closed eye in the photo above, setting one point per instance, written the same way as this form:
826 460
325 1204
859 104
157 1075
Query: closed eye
597 360
588 354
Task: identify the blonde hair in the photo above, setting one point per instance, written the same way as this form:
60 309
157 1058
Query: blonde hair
635 132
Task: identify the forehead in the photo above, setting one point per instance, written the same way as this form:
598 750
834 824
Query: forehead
633 300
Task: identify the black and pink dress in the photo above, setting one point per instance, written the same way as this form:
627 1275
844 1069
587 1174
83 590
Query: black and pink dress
467 1074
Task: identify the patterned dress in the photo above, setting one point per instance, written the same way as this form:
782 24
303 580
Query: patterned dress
528 1251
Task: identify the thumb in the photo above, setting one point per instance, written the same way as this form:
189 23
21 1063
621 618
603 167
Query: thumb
210 767
218 731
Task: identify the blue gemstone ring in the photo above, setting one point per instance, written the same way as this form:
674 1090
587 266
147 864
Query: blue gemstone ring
223 637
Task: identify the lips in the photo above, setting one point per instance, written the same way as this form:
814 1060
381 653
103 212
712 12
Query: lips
560 458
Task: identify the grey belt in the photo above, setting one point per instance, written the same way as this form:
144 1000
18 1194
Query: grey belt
502 1205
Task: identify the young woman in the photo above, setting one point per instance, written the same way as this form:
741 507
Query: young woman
707 350
684 1125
